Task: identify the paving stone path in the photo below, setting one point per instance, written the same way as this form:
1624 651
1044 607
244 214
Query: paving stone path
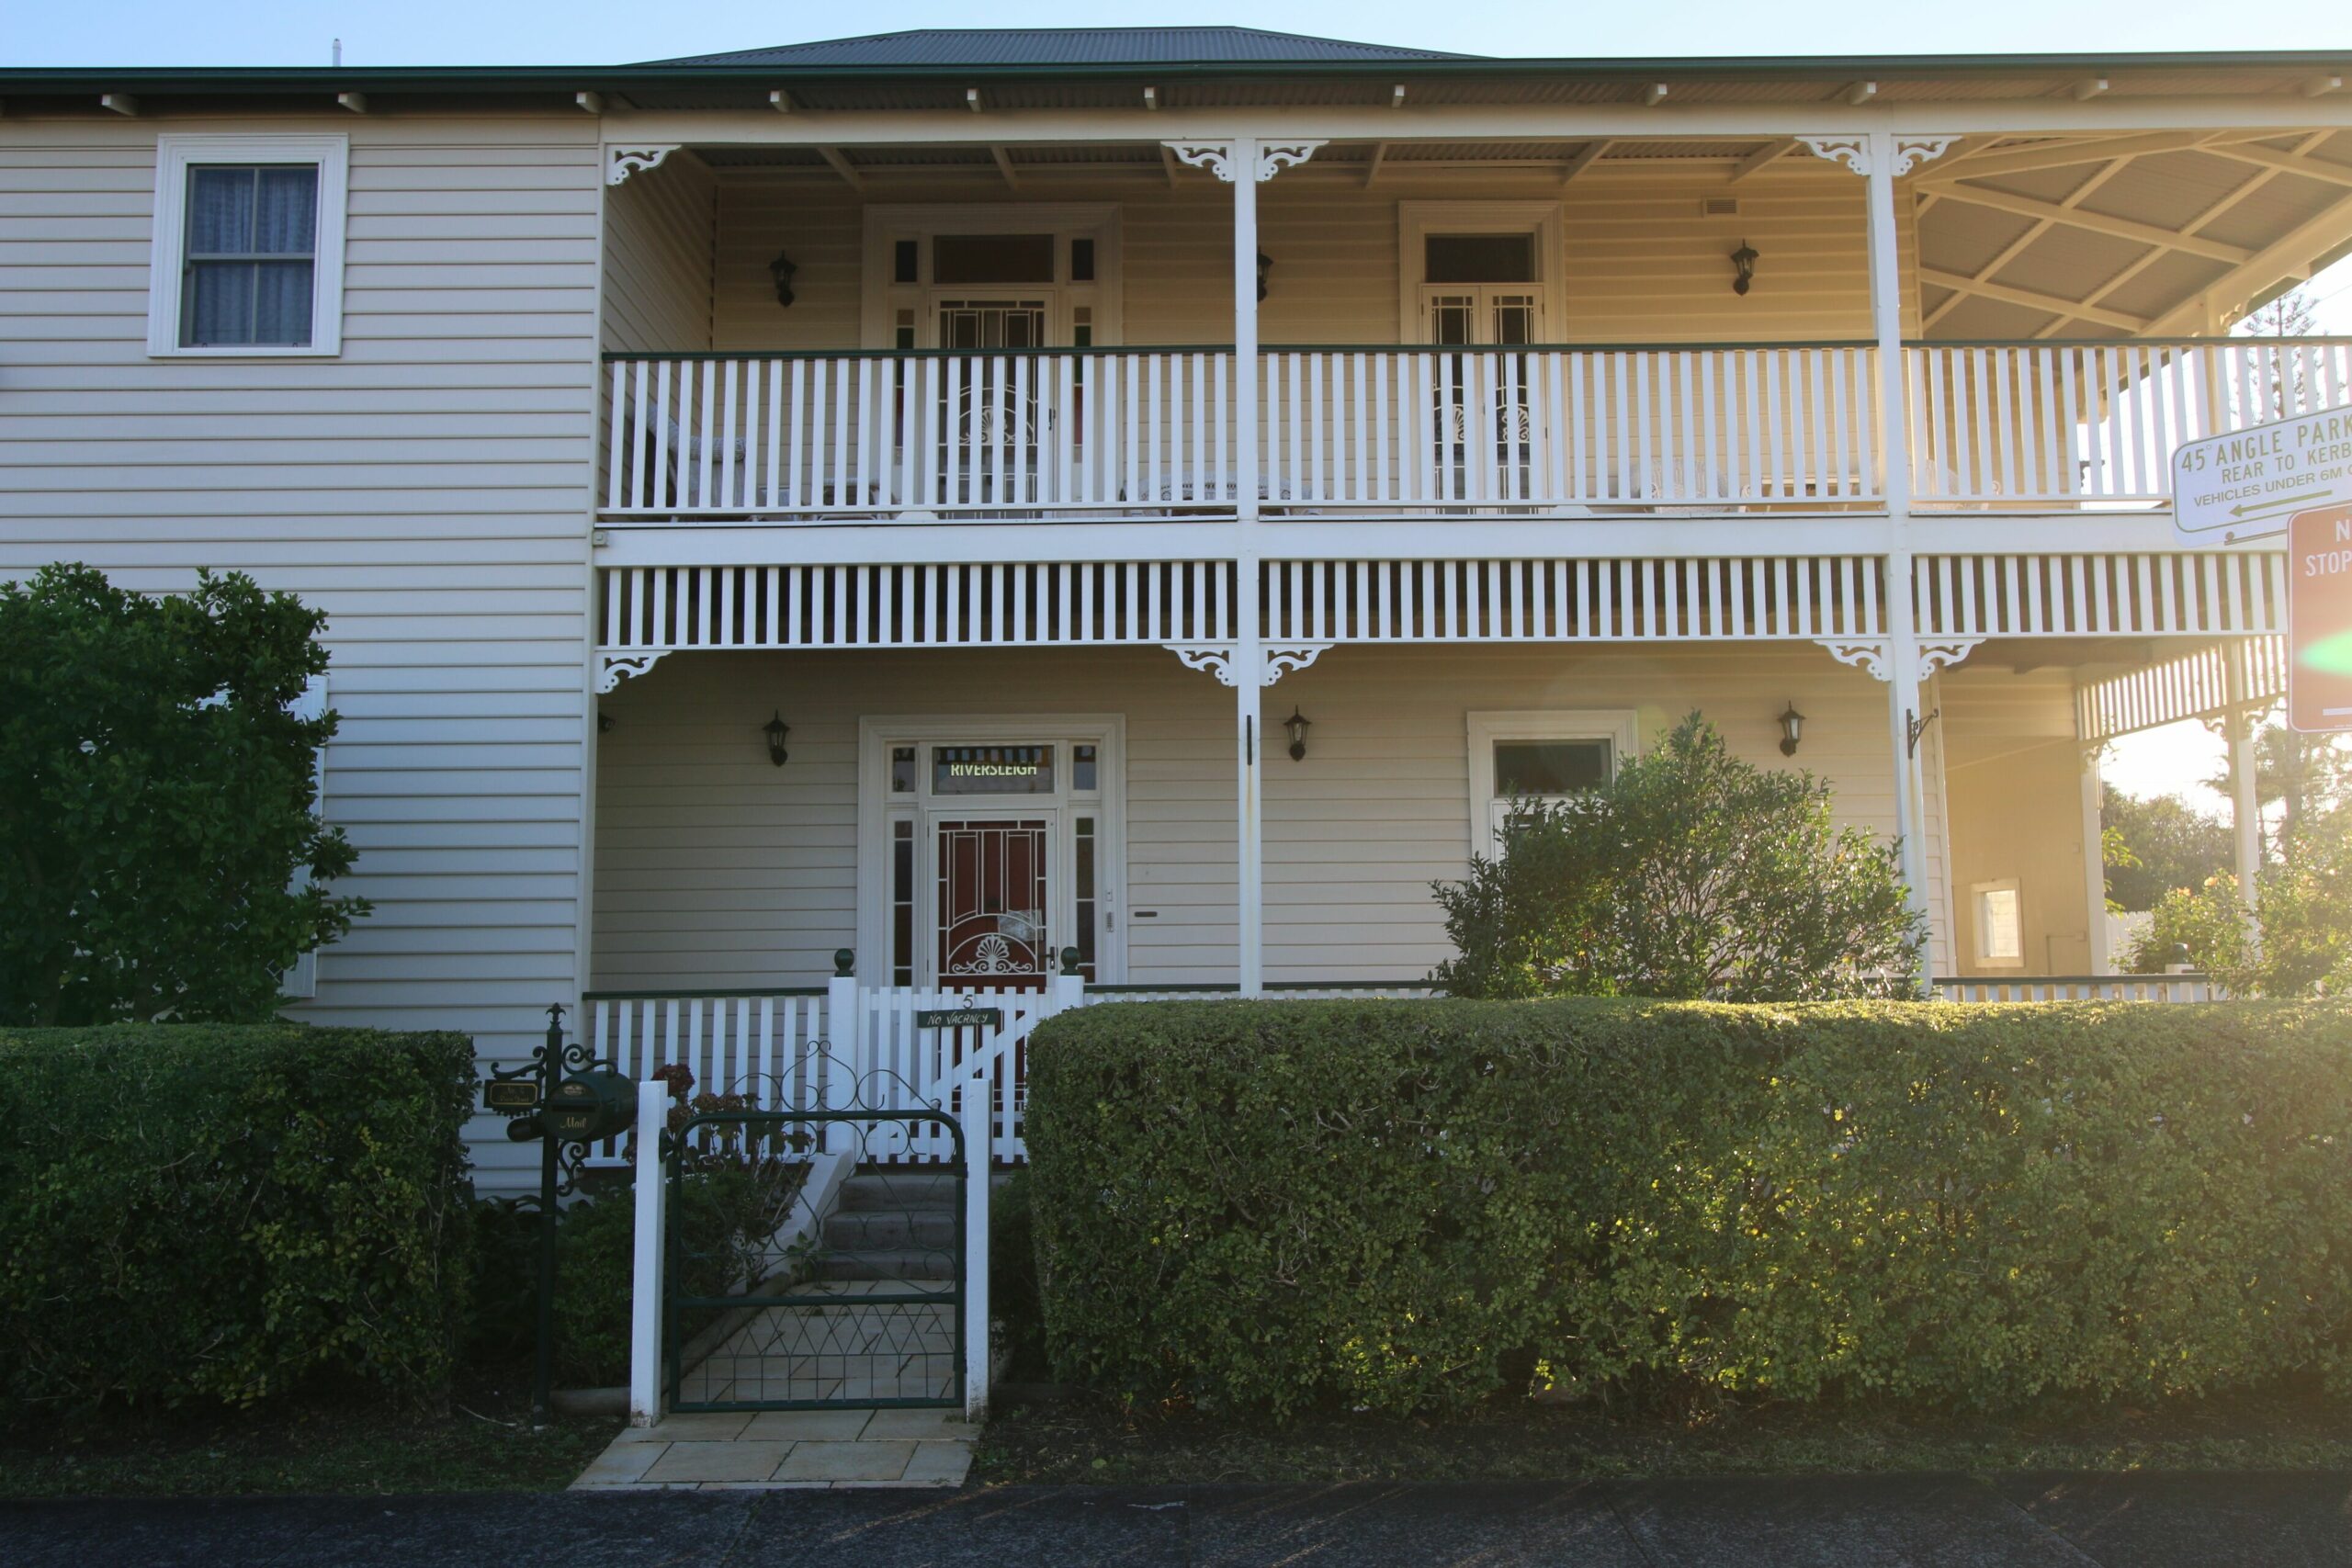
2132 1522
785 1450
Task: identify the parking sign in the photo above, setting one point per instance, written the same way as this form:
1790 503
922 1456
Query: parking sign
2319 620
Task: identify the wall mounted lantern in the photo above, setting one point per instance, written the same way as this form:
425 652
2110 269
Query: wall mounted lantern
1743 262
1265 266
775 729
1297 724
782 270
1791 730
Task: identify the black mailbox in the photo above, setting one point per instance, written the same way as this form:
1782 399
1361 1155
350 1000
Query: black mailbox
587 1107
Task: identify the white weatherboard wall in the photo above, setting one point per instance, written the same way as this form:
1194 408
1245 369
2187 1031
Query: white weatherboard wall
715 869
427 488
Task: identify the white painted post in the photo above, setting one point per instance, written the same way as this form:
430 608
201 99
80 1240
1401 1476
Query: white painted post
977 1165
1894 451
645 1301
2095 863
1249 649
844 1020
2245 804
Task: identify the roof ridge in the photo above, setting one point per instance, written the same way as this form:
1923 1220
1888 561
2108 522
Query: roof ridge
1327 46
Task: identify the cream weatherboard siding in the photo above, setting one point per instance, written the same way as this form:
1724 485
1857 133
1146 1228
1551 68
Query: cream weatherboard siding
427 488
658 240
716 869
1641 262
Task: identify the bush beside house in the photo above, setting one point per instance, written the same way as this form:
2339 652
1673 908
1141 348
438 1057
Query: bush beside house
1417 1206
217 1213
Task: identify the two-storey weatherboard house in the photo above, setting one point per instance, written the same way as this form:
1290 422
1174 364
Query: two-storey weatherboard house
954 497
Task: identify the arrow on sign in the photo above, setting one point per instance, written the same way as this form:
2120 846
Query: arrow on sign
2296 501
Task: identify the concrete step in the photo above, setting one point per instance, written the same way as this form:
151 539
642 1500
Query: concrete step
877 1263
861 1230
899 1191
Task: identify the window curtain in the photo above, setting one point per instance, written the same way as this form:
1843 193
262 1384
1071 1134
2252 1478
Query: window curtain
252 234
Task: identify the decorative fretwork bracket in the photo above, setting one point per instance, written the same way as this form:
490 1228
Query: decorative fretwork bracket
1216 659
1945 652
1865 654
1213 658
1281 658
1854 150
622 161
612 669
1217 157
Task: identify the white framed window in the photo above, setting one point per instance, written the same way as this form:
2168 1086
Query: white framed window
1540 755
2000 923
1479 272
983 277
248 246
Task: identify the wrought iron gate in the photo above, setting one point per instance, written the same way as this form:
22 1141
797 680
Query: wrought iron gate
809 1263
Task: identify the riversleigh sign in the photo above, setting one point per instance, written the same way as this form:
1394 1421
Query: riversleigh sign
2247 484
2319 620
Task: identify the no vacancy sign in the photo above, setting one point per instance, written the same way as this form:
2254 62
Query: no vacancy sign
2319 620
2245 485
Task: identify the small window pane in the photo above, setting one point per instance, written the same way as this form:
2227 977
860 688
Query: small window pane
1081 261
992 770
219 211
1998 923
1479 258
285 220
992 259
1549 767
902 263
902 770
1082 768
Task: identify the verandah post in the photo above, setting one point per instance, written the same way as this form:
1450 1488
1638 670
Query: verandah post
1248 667
645 1299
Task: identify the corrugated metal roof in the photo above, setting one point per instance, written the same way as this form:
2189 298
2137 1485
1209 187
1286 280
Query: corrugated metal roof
1063 46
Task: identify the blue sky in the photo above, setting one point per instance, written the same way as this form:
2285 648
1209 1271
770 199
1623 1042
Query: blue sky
500 32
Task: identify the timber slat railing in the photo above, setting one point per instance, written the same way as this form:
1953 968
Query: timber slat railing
1349 430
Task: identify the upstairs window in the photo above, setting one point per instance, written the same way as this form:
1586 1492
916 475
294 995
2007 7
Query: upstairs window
248 255
1479 258
250 269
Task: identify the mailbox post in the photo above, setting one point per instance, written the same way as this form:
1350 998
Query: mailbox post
564 1112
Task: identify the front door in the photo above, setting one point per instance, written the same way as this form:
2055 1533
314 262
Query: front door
1484 399
992 412
991 911
998 853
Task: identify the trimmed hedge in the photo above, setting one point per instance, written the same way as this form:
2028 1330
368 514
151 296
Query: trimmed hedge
1417 1205
215 1212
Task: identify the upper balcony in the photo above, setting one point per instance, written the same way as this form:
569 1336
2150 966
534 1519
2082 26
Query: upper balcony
1349 431
1598 328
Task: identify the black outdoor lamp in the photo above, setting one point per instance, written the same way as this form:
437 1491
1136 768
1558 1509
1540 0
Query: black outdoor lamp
1743 261
1297 724
775 729
781 269
1791 730
1265 266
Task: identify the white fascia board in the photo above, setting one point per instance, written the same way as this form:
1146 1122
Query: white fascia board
1477 122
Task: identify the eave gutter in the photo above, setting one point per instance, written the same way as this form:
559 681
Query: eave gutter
271 80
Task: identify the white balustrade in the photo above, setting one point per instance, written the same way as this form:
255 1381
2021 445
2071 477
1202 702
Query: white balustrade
2080 424
1635 428
820 435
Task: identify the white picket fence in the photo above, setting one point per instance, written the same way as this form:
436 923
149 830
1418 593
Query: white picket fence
852 1046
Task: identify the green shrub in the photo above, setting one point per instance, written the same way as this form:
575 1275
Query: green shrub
214 1213
1688 874
1404 1205
1016 1314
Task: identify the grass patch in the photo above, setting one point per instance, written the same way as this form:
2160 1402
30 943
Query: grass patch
486 1443
1088 1439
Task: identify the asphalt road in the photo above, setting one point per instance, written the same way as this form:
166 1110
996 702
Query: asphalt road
2138 1521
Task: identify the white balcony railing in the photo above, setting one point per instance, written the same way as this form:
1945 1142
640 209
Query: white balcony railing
1343 430
2069 424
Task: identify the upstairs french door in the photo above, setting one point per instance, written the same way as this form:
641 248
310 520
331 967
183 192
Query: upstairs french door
990 413
1485 409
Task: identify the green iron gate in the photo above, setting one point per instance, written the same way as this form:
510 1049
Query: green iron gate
814 1258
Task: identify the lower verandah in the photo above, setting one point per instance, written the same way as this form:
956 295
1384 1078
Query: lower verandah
716 871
